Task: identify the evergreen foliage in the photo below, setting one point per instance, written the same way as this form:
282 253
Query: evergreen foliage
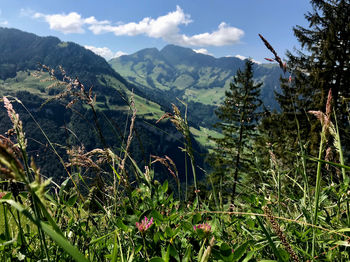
112 206
322 64
239 118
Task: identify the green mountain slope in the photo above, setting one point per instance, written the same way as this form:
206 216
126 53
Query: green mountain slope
20 55
198 79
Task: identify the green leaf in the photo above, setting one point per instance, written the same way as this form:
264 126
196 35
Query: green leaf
248 256
121 225
165 186
169 232
225 250
347 229
72 200
62 189
157 216
7 196
272 245
59 239
115 172
138 248
187 256
64 243
196 218
156 259
187 226
115 247
173 252
100 238
166 255
239 252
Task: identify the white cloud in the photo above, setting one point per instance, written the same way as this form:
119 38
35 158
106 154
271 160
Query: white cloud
120 53
166 27
202 51
105 52
244 58
161 27
225 35
240 57
67 24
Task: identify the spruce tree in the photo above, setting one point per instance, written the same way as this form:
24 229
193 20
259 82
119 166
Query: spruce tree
239 118
321 64
324 61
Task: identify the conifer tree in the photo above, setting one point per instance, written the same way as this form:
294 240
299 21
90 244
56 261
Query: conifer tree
321 64
324 61
239 118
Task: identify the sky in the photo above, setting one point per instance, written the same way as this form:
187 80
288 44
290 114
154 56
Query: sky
112 28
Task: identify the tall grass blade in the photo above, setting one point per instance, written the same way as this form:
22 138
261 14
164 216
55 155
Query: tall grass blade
59 239
269 239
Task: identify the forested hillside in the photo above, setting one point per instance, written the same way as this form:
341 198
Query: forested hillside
200 80
94 168
22 54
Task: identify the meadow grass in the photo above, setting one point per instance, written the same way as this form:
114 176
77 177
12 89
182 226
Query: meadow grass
130 216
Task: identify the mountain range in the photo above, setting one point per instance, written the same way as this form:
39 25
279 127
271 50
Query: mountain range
21 54
198 79
154 79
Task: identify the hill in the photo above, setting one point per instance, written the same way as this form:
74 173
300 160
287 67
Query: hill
20 55
198 79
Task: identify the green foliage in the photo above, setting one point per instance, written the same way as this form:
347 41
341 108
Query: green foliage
61 125
111 207
239 118
320 65
65 224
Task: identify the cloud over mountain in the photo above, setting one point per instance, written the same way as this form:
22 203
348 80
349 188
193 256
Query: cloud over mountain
105 52
202 51
166 27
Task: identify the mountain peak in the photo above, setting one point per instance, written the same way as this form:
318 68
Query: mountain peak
176 48
20 50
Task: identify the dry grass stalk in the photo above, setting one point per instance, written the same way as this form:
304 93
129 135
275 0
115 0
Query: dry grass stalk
72 87
207 252
78 157
92 159
328 129
17 123
131 130
176 119
168 163
277 229
10 165
282 65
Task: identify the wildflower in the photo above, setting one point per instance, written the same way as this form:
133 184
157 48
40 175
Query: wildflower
2 194
205 227
145 224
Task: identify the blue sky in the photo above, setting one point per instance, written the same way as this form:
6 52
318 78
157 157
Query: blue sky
114 27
